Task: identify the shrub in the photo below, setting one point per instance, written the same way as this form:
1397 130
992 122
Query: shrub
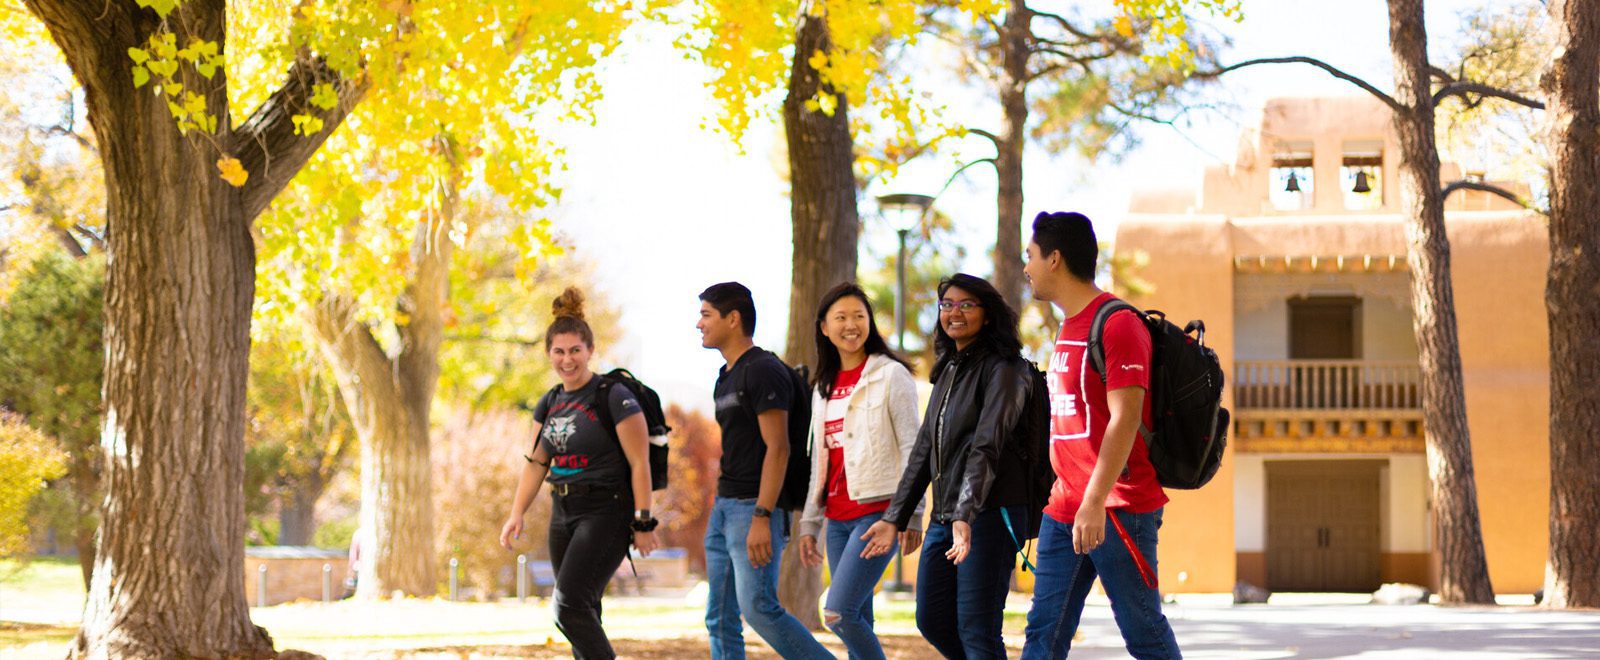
27 459
476 462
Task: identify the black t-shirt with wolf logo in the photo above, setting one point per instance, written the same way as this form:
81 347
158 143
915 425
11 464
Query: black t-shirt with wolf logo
581 452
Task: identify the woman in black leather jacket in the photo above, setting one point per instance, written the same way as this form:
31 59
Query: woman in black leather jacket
965 449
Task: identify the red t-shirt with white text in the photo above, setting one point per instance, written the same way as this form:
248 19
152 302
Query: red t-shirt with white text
837 497
1079 413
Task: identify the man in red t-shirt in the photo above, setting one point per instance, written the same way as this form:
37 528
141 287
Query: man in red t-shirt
1102 466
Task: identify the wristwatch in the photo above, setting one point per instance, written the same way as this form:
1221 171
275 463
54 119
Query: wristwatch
761 512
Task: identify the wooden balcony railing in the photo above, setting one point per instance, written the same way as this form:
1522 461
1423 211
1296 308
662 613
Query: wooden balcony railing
1327 385
1337 406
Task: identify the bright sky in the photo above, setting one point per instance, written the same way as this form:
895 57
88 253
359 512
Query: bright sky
666 208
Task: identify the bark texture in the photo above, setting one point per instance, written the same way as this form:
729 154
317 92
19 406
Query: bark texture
388 399
826 226
1465 575
168 571
1015 37
1572 88
827 231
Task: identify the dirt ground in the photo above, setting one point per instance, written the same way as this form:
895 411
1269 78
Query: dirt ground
895 646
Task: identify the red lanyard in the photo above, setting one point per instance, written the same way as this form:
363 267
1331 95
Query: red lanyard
1138 557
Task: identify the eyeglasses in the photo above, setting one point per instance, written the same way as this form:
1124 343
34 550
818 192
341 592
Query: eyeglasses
965 305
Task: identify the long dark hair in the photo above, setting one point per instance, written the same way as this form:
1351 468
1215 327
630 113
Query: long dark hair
828 363
999 332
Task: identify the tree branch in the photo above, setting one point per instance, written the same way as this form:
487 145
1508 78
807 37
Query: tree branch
1491 189
985 134
266 143
1464 88
1116 41
1388 100
362 368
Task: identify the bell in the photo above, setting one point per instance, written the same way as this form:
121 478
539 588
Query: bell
1361 183
1294 183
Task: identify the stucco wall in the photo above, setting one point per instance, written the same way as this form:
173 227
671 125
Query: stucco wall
1192 269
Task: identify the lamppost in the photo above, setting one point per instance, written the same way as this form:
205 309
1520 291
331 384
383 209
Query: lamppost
904 211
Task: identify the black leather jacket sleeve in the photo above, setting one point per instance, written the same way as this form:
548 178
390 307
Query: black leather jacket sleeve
1005 393
914 481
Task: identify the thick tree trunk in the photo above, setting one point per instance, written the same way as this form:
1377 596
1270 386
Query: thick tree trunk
169 566
826 235
1572 87
826 228
389 401
1014 43
168 576
1465 573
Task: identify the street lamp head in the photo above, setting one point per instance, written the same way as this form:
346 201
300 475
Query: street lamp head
904 211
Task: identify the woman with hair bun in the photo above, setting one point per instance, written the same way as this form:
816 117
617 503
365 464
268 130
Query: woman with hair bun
592 446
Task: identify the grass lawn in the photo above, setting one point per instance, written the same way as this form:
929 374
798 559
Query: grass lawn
41 601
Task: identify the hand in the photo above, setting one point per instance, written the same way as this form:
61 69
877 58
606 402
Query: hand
1088 527
512 530
879 538
808 551
758 544
960 542
910 541
645 542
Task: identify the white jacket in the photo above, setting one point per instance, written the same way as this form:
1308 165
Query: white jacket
880 428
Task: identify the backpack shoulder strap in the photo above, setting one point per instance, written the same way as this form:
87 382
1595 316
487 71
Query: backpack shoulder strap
1097 331
602 406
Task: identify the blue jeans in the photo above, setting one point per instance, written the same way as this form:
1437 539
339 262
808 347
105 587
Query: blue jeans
737 587
959 607
850 592
1064 579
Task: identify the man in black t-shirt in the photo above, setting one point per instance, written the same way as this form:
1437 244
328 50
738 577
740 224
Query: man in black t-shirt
743 537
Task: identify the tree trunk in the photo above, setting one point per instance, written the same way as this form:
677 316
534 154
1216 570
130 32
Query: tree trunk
826 228
1465 573
826 233
1014 38
85 505
389 401
169 571
1572 87
169 567
297 507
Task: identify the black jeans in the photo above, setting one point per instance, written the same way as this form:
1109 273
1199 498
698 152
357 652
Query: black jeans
594 529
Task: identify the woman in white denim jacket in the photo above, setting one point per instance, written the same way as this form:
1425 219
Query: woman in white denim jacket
863 411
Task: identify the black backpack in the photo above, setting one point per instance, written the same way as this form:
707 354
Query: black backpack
655 418
792 497
1190 425
1033 445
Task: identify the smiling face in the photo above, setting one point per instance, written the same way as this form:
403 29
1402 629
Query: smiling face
846 325
715 328
569 356
961 316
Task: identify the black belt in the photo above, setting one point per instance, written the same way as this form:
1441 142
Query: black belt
570 490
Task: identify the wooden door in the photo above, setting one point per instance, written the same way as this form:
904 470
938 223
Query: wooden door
1324 328
1322 525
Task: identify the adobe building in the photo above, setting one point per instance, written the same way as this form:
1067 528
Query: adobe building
1295 257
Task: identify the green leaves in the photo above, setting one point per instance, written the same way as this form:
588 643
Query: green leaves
160 60
163 7
323 96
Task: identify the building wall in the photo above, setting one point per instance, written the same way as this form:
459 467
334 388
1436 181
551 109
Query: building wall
1499 265
1192 269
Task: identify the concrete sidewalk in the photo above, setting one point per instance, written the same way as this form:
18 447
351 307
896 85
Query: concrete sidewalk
1221 630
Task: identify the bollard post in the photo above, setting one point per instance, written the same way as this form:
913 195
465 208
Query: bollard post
261 585
327 583
522 578
454 566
